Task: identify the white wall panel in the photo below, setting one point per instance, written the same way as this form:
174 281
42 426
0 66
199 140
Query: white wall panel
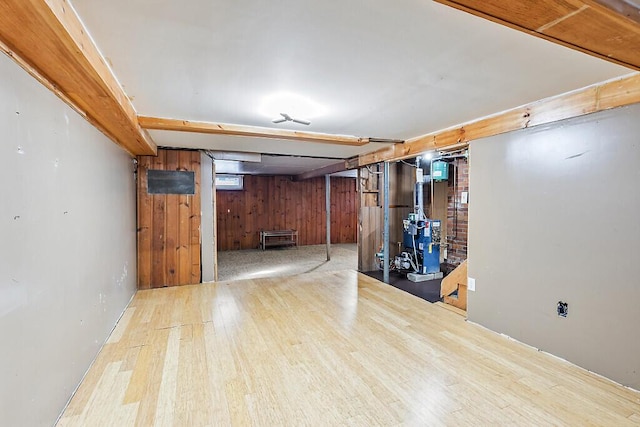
67 247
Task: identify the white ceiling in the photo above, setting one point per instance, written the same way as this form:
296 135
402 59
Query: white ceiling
380 68
258 145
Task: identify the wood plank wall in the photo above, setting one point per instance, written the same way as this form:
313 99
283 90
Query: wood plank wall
401 188
278 203
344 210
168 225
370 216
437 209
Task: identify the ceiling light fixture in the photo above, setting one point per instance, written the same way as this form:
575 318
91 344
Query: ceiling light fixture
287 118
287 104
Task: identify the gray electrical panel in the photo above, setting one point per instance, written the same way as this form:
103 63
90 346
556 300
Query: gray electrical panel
171 182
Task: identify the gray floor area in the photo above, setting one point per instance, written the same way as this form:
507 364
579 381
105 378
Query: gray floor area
254 263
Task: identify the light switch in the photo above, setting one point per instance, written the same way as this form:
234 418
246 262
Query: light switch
464 197
471 284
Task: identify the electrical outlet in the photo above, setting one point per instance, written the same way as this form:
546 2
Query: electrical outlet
464 197
563 309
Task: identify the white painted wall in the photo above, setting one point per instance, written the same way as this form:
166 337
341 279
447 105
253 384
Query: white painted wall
67 247
207 224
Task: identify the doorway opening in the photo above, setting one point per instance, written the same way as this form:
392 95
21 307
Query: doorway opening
428 215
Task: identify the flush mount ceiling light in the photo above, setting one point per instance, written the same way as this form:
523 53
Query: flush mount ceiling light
287 118
290 107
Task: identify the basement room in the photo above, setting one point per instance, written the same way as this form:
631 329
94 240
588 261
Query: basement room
320 213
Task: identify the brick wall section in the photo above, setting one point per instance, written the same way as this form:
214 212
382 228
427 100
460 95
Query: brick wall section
457 214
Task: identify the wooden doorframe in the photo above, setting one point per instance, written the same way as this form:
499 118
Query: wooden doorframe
208 242
215 223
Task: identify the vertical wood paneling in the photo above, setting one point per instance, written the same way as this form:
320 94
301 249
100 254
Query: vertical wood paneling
307 209
289 207
158 260
438 209
263 197
320 232
299 211
215 228
195 212
402 178
252 222
168 225
236 224
280 199
144 221
277 202
370 217
370 237
172 226
184 222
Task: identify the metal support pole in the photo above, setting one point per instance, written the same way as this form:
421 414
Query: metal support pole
327 179
385 234
420 191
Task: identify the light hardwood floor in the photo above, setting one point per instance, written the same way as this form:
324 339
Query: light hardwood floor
327 349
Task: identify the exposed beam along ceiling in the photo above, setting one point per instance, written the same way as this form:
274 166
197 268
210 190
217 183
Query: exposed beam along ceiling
157 123
48 37
327 170
594 27
441 67
622 7
42 32
612 94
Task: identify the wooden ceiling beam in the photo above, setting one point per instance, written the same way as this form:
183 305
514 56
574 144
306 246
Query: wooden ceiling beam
604 96
621 7
157 123
326 170
607 29
47 39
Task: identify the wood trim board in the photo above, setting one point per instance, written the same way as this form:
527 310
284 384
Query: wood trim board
593 27
47 38
177 125
603 96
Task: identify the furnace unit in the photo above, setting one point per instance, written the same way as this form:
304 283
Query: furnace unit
420 256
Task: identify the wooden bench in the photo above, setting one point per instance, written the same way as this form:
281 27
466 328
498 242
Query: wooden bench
278 238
